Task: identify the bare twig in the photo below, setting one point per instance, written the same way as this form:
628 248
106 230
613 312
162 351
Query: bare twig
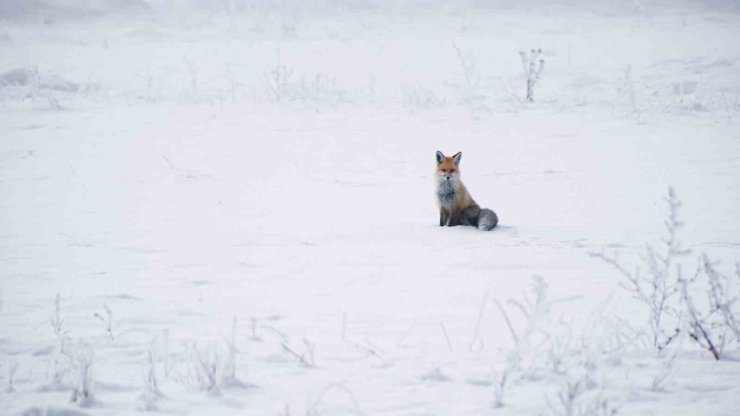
476 343
107 321
371 350
166 159
508 322
447 336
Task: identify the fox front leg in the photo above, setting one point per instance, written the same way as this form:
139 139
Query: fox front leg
454 219
442 217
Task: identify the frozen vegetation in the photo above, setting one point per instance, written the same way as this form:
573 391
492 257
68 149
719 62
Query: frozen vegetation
228 208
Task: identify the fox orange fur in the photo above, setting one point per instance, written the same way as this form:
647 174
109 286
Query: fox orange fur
456 206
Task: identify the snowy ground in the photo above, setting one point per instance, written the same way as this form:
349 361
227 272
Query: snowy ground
150 165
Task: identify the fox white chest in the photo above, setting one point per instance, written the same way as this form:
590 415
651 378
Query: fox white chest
446 194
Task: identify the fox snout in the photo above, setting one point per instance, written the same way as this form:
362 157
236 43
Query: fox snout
446 175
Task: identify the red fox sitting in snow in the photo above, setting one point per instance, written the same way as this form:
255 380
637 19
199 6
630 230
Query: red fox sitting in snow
456 206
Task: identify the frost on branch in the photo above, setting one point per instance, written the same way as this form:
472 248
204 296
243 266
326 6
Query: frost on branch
712 323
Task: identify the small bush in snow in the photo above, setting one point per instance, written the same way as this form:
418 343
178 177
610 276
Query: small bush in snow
278 81
21 84
321 90
670 297
470 87
234 84
421 97
283 85
209 371
521 358
574 399
82 364
205 368
711 323
61 363
658 289
567 399
151 387
533 66
536 314
153 84
626 92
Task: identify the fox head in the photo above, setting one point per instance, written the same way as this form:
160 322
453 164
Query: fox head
448 168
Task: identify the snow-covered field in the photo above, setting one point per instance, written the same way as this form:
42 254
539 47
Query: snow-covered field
229 209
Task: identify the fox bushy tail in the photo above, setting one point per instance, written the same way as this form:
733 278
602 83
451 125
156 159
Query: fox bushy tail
487 219
482 218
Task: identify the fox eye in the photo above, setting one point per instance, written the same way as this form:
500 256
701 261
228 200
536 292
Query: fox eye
444 170
452 170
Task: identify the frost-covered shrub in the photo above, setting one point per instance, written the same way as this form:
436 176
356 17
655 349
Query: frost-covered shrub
210 370
151 393
418 96
61 362
470 86
670 297
284 85
533 66
82 356
574 398
553 350
713 322
279 81
204 368
658 288
523 357
19 85
229 377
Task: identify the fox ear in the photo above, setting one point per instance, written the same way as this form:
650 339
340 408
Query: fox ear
456 158
440 157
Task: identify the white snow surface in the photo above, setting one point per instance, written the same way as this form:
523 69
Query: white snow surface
174 188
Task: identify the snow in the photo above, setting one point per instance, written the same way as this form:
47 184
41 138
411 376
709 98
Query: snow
173 188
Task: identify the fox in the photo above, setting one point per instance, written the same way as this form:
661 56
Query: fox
456 206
